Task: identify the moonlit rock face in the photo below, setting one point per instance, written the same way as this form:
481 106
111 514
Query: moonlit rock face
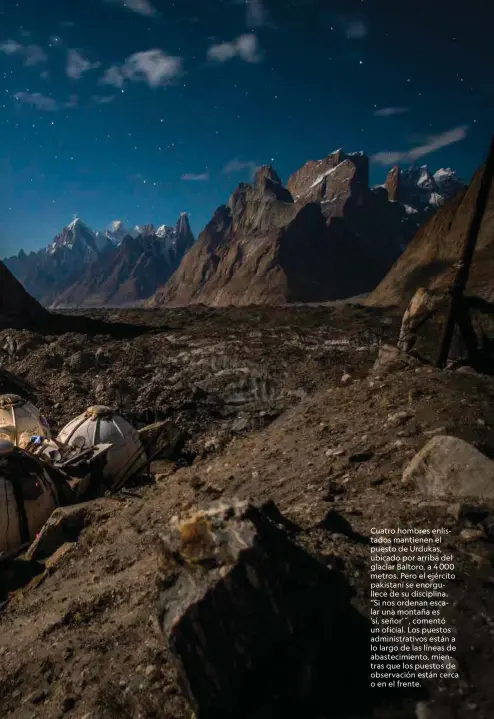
18 417
100 425
22 479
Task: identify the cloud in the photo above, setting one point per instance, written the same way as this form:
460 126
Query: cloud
390 111
32 54
244 47
354 29
10 47
153 67
431 144
113 76
41 102
191 177
142 7
77 64
73 101
256 13
103 99
237 165
44 102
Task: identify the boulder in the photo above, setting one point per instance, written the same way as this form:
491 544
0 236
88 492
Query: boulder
422 307
64 526
391 359
256 625
161 439
448 466
387 354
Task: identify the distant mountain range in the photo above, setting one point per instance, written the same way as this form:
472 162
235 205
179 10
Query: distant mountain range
325 235
115 267
416 189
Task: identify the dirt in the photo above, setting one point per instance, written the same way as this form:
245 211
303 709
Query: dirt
83 642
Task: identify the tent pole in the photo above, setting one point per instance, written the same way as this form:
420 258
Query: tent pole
463 268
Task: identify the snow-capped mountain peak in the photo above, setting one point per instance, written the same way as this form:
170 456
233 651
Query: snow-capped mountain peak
164 231
115 232
76 235
425 178
76 222
416 187
136 231
447 181
81 267
444 172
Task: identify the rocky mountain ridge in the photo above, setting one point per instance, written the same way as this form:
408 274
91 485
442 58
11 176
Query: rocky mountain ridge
85 268
325 236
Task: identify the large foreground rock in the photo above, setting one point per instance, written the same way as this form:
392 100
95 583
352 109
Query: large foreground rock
423 326
254 622
448 466
64 525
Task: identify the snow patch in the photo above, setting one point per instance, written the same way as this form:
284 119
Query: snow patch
323 176
436 200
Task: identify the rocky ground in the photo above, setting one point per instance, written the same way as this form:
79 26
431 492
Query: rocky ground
277 404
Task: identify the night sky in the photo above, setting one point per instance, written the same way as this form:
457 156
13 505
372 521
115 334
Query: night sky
142 109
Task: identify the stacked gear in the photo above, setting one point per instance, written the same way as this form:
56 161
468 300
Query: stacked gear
19 417
100 425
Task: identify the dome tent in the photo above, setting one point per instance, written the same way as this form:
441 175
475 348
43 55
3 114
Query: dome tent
19 416
28 496
101 425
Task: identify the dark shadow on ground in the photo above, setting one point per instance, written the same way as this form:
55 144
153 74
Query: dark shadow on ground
16 574
58 324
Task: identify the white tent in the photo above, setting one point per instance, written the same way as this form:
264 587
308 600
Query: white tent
101 425
18 417
28 496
